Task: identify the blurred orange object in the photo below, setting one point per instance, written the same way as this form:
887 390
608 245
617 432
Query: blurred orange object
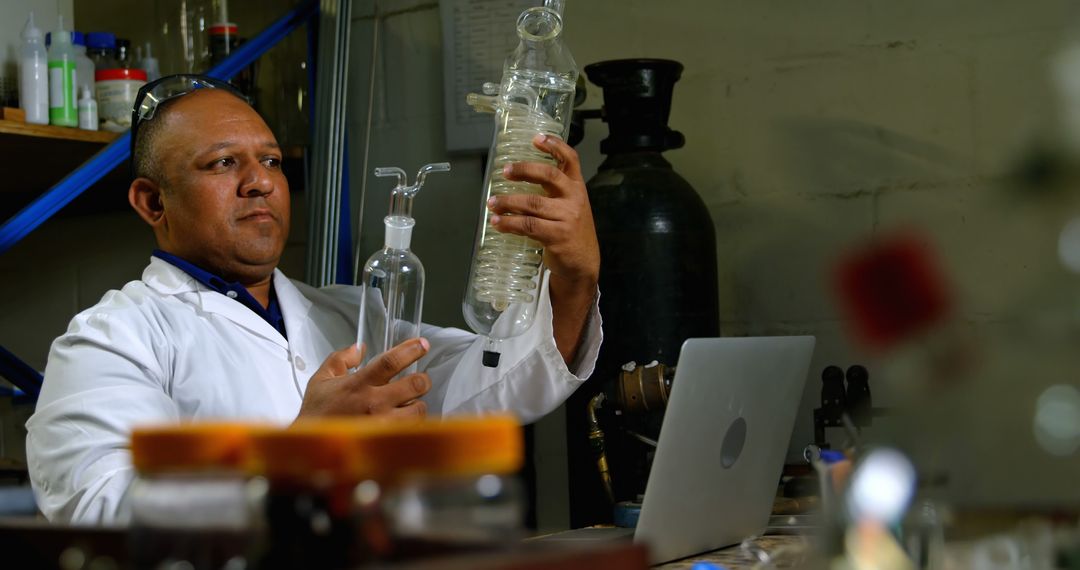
452 447
191 447
839 472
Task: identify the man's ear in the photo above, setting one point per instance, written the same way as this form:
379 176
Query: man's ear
145 196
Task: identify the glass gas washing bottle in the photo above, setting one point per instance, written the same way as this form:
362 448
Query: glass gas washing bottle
535 97
392 283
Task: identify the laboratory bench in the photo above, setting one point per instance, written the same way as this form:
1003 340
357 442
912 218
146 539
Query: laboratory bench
734 557
34 543
42 541
738 556
626 556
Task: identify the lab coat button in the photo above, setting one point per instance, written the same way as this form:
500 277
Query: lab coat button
299 362
230 294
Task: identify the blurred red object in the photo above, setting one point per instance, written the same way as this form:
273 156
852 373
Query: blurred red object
892 290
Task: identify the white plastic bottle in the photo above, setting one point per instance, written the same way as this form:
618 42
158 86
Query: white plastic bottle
149 64
34 75
88 115
63 94
84 67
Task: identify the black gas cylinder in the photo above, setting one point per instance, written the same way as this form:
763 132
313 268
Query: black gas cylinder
658 280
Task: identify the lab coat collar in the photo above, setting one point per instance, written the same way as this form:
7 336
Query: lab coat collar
294 306
167 279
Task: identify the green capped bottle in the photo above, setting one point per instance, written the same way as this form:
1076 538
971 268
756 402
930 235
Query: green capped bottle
63 97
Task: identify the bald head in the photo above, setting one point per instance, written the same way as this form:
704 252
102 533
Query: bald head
147 150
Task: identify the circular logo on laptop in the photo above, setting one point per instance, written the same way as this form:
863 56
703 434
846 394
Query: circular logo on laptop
733 443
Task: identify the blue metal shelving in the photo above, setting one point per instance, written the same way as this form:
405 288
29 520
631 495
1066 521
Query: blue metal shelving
78 181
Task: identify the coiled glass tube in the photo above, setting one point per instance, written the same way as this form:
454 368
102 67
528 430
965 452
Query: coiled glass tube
508 264
534 98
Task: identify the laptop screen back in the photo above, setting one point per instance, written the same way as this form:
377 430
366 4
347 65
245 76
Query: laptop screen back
722 444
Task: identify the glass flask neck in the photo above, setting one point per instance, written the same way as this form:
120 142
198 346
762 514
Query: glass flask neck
540 24
541 48
398 232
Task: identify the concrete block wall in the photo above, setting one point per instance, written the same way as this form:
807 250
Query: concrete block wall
810 129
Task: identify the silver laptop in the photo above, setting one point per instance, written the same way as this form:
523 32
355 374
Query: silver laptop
722 444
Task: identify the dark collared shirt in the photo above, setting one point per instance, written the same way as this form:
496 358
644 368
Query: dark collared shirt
271 313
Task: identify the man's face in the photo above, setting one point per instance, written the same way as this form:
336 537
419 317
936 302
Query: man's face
225 199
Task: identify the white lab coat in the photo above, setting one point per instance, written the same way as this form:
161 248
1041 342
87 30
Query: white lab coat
167 348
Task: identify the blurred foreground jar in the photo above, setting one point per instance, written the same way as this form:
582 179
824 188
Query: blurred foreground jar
442 486
348 492
307 519
190 501
328 493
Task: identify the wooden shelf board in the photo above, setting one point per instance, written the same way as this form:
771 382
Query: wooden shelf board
51 132
33 164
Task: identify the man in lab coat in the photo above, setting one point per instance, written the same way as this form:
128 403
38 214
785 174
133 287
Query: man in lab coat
214 330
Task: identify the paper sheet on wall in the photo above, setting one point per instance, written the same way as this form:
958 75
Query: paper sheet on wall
477 37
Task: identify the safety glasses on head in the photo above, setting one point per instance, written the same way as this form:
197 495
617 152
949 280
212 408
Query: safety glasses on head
154 94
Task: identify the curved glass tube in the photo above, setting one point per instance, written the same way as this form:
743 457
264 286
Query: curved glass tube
392 281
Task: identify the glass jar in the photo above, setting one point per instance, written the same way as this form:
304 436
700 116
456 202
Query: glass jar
116 92
190 499
446 485
123 53
306 517
222 40
345 492
101 49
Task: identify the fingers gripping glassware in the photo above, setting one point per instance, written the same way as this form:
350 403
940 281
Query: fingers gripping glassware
535 97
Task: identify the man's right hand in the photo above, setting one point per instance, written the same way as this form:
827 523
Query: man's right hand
335 391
